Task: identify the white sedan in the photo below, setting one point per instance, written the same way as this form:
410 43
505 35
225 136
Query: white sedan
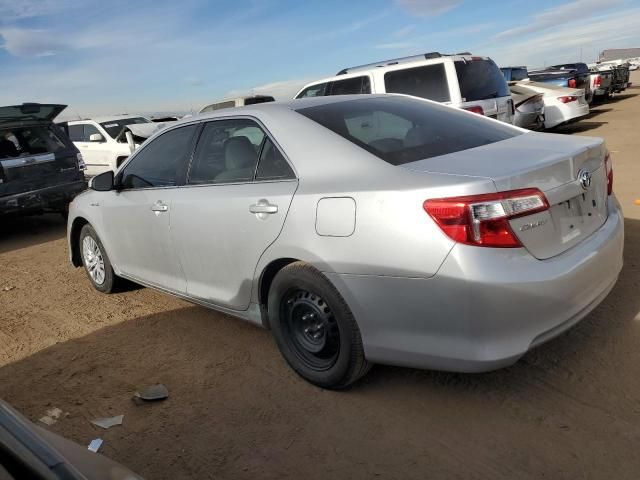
561 105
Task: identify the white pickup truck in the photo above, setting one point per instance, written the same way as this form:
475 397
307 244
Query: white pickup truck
102 142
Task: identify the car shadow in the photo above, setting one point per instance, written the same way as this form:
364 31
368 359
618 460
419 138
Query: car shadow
577 127
595 111
20 232
236 410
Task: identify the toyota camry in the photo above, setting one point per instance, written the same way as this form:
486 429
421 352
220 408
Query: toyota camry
363 229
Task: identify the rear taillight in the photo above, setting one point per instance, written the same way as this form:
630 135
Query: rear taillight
597 81
568 99
475 109
81 165
608 164
572 83
483 220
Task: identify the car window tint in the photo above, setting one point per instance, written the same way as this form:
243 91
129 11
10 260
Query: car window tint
76 133
88 131
317 90
480 80
350 86
227 152
273 165
34 140
429 81
400 130
157 163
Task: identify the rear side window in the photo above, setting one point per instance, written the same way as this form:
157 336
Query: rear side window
400 130
429 81
350 86
272 165
317 90
480 80
157 163
518 74
36 140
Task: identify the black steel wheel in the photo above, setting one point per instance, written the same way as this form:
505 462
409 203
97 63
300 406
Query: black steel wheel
314 327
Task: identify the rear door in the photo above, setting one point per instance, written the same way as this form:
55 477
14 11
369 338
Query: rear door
233 207
481 84
35 154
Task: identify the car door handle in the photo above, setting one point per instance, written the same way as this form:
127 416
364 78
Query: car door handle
263 206
159 207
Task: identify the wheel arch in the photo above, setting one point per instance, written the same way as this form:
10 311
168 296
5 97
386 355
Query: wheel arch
74 240
264 284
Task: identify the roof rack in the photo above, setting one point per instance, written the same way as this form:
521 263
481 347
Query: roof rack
397 61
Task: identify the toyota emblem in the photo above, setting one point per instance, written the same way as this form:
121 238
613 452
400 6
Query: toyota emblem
584 176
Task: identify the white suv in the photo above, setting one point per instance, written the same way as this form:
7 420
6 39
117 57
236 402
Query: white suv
102 142
462 80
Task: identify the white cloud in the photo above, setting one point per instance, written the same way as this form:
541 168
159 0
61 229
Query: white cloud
560 16
428 8
394 45
30 43
283 90
404 31
19 9
565 45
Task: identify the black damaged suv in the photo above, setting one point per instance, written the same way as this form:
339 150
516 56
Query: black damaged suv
40 168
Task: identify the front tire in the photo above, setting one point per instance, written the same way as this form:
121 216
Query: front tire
95 261
314 328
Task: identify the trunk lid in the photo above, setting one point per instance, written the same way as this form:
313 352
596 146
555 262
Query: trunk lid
554 164
30 112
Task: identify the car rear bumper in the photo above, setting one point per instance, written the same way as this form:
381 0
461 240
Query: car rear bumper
42 199
485 307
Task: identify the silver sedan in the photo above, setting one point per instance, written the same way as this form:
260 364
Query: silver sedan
363 229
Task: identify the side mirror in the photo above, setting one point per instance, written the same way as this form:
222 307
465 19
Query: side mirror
96 137
102 182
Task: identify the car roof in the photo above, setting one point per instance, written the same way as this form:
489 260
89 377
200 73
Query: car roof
112 118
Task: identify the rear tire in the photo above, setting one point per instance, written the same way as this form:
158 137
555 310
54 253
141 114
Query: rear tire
314 328
96 261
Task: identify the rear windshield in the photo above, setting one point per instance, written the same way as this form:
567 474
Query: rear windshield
400 130
114 127
480 80
25 141
256 100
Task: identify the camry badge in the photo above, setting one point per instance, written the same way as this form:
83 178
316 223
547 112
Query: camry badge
584 176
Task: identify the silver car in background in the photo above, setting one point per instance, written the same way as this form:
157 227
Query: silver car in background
363 229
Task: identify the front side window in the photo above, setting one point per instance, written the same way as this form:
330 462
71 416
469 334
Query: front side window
76 133
227 151
88 131
114 127
429 81
400 130
157 164
351 86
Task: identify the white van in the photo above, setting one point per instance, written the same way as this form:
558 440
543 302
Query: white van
462 80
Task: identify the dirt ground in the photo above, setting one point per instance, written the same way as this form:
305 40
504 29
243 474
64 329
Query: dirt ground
569 409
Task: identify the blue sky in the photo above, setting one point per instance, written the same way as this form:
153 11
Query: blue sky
142 56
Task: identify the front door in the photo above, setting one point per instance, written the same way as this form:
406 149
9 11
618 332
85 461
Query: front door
96 154
137 217
233 207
